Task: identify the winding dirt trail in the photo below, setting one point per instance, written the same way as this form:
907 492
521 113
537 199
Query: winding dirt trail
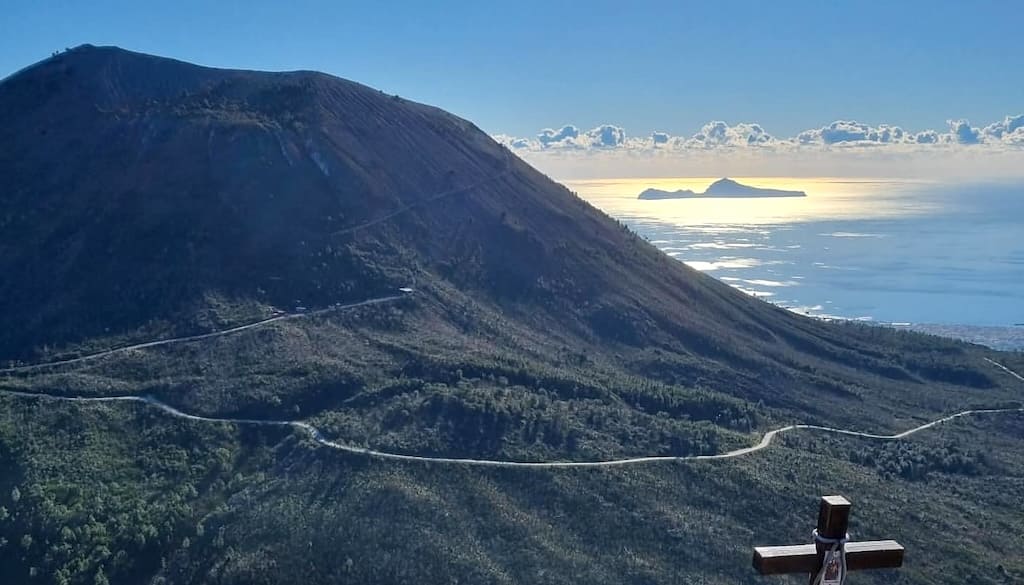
189 338
1005 369
348 230
315 433
429 199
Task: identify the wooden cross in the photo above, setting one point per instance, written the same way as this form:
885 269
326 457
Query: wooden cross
833 517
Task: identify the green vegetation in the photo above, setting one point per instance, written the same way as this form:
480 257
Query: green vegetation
123 492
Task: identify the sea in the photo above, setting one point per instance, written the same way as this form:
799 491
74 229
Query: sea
946 258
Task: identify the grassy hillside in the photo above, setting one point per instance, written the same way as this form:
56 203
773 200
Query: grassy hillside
138 497
125 490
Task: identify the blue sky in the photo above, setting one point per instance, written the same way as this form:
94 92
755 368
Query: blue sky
605 75
517 67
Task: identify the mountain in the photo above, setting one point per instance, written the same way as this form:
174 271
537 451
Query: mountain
146 199
720 188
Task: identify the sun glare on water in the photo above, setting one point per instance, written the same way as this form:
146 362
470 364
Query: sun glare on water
827 199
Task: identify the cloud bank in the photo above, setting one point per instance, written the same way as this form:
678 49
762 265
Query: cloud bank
843 147
571 138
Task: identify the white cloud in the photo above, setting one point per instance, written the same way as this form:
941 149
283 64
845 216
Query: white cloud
607 136
848 132
570 137
841 148
718 133
963 132
564 137
1010 130
1015 138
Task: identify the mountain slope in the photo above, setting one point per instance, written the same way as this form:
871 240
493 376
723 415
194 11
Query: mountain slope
145 198
213 182
167 198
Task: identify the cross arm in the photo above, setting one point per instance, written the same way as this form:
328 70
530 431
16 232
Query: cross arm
803 558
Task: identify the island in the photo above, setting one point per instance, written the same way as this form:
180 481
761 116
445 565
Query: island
659 194
721 188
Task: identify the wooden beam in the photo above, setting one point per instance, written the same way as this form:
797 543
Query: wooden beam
803 558
833 517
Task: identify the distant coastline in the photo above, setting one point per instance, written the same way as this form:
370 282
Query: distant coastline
1000 338
723 188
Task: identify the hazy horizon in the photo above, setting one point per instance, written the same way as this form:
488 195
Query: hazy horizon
898 251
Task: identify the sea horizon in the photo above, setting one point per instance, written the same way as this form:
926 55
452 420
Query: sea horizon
941 256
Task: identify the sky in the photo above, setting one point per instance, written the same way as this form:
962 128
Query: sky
626 88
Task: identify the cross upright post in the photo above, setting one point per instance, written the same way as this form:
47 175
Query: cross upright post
830 540
833 520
